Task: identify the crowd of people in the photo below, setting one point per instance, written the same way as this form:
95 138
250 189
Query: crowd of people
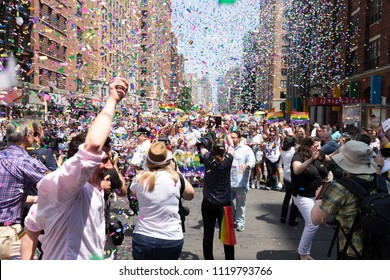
58 176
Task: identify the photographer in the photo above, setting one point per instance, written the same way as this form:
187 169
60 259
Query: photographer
218 159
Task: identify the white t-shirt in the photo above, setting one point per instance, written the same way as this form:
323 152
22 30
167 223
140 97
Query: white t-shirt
159 210
286 157
272 150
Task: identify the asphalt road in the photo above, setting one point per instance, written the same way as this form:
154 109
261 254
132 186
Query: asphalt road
264 237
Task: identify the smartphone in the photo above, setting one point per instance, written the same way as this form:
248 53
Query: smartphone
217 120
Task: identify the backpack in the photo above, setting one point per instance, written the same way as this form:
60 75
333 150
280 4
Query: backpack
116 231
183 211
373 219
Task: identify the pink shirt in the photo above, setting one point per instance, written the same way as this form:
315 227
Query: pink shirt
71 211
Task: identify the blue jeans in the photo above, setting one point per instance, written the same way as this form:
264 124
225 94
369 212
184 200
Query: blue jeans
150 248
239 194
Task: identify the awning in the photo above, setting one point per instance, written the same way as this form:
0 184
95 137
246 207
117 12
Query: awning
336 101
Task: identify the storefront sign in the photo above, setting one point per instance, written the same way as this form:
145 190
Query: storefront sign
335 101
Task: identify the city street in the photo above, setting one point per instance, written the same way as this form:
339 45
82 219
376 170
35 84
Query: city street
264 238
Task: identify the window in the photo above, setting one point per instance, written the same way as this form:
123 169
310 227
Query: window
144 70
142 93
79 61
144 25
373 54
144 14
143 37
282 94
79 8
284 71
79 34
283 83
375 10
79 85
353 63
354 24
144 48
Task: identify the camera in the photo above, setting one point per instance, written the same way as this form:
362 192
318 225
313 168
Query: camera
215 120
206 140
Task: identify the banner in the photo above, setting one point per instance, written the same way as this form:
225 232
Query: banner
273 117
299 117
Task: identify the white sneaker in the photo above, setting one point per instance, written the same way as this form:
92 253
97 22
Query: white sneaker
280 186
257 185
253 185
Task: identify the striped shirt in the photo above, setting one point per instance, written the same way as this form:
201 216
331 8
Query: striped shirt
19 172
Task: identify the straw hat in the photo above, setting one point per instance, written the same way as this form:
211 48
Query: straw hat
158 154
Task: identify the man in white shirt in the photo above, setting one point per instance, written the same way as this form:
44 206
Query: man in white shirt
243 162
70 206
138 160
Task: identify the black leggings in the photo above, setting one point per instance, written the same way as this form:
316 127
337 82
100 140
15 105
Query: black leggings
271 172
210 214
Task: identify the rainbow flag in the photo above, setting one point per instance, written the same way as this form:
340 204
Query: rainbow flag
299 117
228 233
276 116
167 107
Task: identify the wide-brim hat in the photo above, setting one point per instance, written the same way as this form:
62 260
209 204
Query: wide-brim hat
355 157
158 154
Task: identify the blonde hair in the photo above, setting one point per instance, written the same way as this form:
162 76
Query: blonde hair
147 178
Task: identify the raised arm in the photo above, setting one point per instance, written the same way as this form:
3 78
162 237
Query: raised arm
100 128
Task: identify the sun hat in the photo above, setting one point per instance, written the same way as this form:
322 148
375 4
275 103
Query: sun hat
158 154
356 157
316 125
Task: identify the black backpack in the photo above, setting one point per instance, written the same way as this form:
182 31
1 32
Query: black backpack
373 219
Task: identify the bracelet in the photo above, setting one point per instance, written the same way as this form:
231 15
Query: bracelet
380 166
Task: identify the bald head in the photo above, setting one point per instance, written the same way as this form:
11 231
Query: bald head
326 136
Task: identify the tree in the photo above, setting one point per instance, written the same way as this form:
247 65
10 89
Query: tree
184 99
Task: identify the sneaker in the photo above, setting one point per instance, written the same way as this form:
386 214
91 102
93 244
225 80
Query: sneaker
258 185
267 188
279 187
253 185
240 227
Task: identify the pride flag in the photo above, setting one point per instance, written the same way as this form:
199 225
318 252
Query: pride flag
273 117
228 233
299 117
167 107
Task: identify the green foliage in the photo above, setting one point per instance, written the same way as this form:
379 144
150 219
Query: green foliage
184 99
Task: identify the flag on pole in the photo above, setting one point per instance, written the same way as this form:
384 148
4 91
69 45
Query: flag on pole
299 117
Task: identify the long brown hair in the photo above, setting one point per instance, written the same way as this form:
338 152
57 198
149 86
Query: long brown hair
305 147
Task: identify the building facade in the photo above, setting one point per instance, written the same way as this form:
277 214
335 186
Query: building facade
68 51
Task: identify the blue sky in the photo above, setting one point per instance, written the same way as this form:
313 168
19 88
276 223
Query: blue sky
210 35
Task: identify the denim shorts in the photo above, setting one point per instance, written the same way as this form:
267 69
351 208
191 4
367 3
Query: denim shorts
150 248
